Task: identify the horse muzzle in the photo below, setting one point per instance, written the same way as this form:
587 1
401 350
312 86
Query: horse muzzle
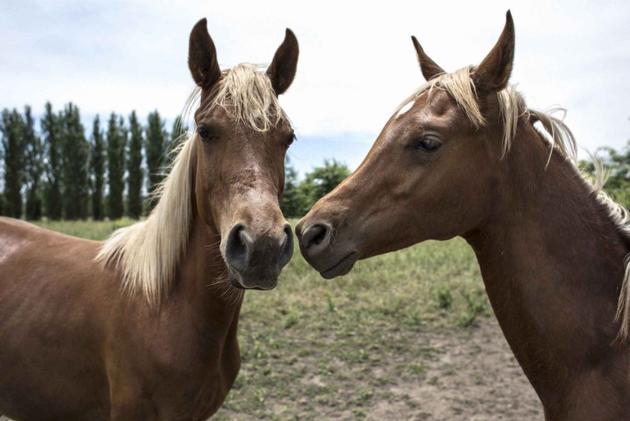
255 261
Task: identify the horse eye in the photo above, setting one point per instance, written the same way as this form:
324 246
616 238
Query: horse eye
205 133
428 143
290 139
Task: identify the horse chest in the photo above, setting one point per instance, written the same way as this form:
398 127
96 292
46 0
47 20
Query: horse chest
188 380
201 391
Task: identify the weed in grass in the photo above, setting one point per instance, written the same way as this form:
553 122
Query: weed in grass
290 320
413 319
476 305
444 298
359 414
331 304
415 368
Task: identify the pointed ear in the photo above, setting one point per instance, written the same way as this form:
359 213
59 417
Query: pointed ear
429 68
493 74
202 56
282 69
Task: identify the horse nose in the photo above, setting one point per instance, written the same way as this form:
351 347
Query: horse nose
315 238
286 246
258 258
238 248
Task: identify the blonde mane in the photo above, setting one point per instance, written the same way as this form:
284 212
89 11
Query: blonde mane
148 252
246 93
459 85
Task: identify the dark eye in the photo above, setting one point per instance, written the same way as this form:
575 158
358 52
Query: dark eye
205 133
428 143
290 139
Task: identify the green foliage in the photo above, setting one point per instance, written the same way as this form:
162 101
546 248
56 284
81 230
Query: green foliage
34 159
135 175
617 166
291 201
320 182
299 197
12 128
1 170
53 171
97 170
116 140
75 159
156 151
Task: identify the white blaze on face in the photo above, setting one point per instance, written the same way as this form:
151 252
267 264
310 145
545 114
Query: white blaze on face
405 108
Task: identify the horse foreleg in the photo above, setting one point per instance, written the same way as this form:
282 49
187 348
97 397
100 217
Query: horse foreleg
128 402
132 410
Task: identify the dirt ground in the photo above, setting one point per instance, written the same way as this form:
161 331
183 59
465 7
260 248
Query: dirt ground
469 376
473 377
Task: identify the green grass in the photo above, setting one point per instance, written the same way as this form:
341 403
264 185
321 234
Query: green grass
314 346
87 229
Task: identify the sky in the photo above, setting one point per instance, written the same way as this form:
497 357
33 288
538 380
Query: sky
357 62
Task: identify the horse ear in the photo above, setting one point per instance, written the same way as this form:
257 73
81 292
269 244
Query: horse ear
202 56
429 68
493 74
282 69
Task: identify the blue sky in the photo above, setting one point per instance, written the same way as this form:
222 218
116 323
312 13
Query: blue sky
357 62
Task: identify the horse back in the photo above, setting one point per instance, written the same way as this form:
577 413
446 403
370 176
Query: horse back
52 294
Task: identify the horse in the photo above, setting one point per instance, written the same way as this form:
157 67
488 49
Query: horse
143 326
464 156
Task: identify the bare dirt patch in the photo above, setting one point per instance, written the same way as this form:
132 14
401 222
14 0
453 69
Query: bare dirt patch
471 376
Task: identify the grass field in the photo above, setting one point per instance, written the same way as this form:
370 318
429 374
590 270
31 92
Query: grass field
340 348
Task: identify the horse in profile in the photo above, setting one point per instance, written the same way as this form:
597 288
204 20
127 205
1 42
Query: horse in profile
464 156
143 326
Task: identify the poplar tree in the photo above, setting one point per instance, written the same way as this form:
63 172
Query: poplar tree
155 152
1 169
33 168
135 175
13 149
51 133
115 168
97 170
75 157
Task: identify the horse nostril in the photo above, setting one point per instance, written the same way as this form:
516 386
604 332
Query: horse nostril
238 246
316 235
286 246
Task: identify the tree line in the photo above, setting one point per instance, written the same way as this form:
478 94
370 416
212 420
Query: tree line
617 166
300 196
54 169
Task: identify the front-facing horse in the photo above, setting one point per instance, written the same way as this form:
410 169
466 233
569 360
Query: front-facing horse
464 156
143 326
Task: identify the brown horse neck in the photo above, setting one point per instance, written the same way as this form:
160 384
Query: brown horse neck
552 262
202 280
